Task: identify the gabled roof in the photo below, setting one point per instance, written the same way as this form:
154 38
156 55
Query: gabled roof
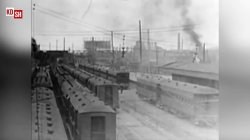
87 103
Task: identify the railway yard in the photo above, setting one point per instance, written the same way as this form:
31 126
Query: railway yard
125 70
140 120
135 118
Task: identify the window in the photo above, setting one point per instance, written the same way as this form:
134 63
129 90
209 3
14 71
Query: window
98 128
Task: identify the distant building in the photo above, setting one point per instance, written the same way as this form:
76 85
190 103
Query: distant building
97 45
201 74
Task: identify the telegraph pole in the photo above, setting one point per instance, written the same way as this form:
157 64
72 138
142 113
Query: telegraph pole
83 44
123 39
140 40
56 44
149 47
49 45
112 44
178 42
33 19
123 47
156 53
64 43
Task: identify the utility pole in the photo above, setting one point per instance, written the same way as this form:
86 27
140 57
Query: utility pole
73 47
178 42
123 39
112 44
83 44
64 43
204 53
123 47
93 46
156 53
49 45
149 47
56 44
140 40
33 20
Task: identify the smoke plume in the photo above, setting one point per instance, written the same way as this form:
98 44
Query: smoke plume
189 29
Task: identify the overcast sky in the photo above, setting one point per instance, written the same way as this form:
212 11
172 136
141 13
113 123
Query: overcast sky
164 19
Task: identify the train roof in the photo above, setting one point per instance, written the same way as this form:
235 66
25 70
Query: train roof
43 95
177 86
101 81
105 69
48 124
85 72
84 102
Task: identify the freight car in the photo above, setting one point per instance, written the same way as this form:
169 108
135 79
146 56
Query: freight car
87 116
197 103
46 119
42 78
106 90
119 77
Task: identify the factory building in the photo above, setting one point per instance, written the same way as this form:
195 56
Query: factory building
97 45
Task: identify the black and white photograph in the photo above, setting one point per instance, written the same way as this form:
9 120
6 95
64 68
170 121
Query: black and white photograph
125 69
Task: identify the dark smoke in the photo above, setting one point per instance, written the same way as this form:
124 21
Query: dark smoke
189 29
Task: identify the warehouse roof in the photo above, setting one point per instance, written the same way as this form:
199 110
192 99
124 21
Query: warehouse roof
178 87
200 70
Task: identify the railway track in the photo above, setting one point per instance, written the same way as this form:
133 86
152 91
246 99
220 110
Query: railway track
164 122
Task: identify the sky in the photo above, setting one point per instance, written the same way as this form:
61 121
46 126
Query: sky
79 20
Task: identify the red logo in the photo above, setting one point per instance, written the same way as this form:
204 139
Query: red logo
9 11
17 14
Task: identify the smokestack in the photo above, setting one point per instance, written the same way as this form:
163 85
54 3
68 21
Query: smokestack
204 52
178 42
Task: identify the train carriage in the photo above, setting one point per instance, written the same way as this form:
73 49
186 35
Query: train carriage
198 103
46 119
42 78
119 77
88 117
148 87
107 91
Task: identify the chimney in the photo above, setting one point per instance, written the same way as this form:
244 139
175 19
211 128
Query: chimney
178 42
204 52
